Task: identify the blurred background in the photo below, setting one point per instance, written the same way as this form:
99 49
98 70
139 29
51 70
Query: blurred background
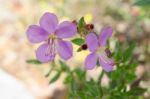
20 80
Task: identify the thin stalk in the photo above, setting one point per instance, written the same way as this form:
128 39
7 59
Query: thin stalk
99 82
100 77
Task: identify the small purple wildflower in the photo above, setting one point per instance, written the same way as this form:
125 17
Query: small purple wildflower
97 46
52 33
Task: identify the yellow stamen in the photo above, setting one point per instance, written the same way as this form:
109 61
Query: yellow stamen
52 36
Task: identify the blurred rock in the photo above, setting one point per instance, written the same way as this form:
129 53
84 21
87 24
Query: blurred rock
12 88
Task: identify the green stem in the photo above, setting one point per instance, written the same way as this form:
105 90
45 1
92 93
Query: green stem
51 69
99 82
100 77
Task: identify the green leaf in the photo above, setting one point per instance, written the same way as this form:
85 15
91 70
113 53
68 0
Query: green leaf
119 96
33 61
128 52
55 77
73 85
68 79
115 75
82 95
64 66
79 49
78 41
80 73
137 91
131 77
118 53
93 88
81 23
142 2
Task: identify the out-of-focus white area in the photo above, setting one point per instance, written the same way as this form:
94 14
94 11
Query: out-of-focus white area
11 88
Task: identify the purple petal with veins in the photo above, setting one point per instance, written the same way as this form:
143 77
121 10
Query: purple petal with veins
90 61
105 62
43 55
49 22
66 29
52 33
104 35
97 48
64 49
36 34
92 42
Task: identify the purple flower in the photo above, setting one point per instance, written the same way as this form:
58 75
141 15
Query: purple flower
97 46
52 33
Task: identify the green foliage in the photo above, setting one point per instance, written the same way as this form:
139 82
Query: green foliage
123 55
78 41
120 79
128 52
55 77
136 91
33 61
80 88
81 23
64 67
124 75
142 3
79 49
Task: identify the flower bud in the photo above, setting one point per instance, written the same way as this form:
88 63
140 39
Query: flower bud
108 52
89 26
84 46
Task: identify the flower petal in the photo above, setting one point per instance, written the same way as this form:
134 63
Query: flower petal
49 22
92 42
66 29
36 34
64 49
105 34
41 54
90 61
106 63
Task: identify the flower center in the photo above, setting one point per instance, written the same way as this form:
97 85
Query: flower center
100 50
51 49
52 36
104 54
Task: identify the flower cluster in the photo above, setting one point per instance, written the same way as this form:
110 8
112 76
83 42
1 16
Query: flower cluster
52 34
